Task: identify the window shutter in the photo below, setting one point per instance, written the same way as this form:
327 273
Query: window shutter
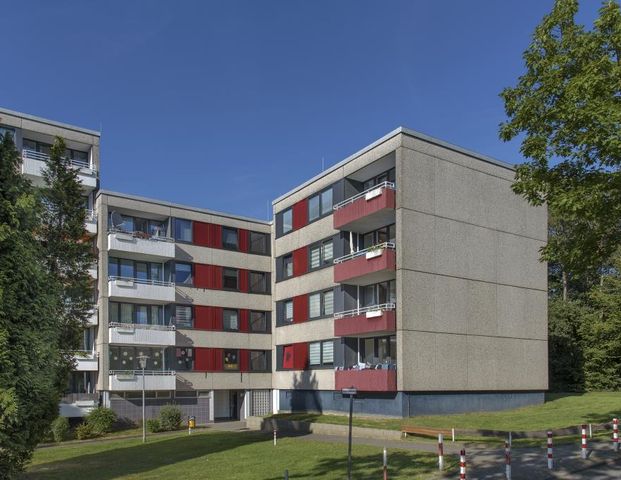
314 301
315 257
327 352
328 302
314 353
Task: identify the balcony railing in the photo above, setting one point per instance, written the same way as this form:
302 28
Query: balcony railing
69 398
369 252
365 310
142 281
368 194
142 235
91 215
134 373
142 326
44 157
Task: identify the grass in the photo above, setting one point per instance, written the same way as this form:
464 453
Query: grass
559 411
230 455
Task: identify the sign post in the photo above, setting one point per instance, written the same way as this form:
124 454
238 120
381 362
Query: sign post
351 392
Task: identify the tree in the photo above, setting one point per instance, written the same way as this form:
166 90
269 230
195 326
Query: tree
29 334
68 251
567 109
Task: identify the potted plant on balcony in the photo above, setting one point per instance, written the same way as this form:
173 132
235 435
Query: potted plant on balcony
374 251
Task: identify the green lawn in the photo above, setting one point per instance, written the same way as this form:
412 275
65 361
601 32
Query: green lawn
559 411
226 455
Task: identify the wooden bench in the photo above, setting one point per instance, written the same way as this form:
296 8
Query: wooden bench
425 431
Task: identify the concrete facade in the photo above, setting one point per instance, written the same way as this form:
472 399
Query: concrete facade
460 281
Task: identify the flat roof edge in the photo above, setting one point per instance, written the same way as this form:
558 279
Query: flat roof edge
54 123
385 138
181 206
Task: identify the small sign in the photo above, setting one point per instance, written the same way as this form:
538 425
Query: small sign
349 391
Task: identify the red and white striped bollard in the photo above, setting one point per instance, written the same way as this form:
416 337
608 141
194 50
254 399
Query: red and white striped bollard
583 449
615 434
507 461
550 459
462 465
440 451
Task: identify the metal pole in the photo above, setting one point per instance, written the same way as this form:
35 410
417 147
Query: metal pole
144 423
351 411
385 461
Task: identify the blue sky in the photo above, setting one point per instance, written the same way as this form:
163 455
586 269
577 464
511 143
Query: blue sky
229 104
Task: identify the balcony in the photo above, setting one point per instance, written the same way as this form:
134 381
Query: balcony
371 265
93 319
33 164
139 334
367 380
91 222
86 360
368 321
78 404
366 211
141 246
131 380
92 271
138 289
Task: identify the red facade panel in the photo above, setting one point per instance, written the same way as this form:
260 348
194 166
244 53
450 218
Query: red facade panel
300 261
202 359
202 275
215 278
202 319
243 239
243 280
362 207
218 359
215 236
287 356
300 356
200 233
368 380
383 324
300 214
244 316
244 360
300 308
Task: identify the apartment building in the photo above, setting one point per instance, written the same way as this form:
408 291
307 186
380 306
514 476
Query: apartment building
190 290
409 271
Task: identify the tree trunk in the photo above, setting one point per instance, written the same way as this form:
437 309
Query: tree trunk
565 286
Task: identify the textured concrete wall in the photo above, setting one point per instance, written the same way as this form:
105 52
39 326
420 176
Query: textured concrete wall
131 409
223 381
472 294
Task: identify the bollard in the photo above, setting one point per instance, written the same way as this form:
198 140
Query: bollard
508 460
550 460
510 439
462 465
453 435
385 458
615 434
583 449
274 437
440 451
590 430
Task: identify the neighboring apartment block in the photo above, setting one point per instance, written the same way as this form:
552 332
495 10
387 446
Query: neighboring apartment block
409 271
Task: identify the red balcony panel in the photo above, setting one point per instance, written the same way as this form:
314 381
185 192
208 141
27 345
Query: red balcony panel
244 239
365 324
365 271
364 215
300 308
300 214
366 380
300 261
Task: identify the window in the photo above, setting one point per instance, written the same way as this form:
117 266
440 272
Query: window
183 273
183 230
321 304
6 130
288 308
231 361
258 360
321 254
229 238
287 266
125 357
120 267
184 358
136 314
258 282
230 278
258 322
183 316
376 237
287 221
379 350
231 320
314 210
259 243
326 201
321 353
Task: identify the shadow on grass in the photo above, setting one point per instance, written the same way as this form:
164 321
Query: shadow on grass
139 458
400 464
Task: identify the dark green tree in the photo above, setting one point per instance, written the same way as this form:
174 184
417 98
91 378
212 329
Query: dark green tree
69 253
29 333
566 108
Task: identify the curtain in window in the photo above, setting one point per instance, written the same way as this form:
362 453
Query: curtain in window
328 252
328 302
314 353
327 352
314 302
315 257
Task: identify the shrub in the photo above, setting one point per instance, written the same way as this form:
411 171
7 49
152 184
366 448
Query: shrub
170 418
60 428
101 420
153 424
84 431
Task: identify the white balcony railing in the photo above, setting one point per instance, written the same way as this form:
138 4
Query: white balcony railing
142 235
142 289
44 157
131 380
86 360
368 194
141 245
370 311
91 221
140 334
142 326
370 252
